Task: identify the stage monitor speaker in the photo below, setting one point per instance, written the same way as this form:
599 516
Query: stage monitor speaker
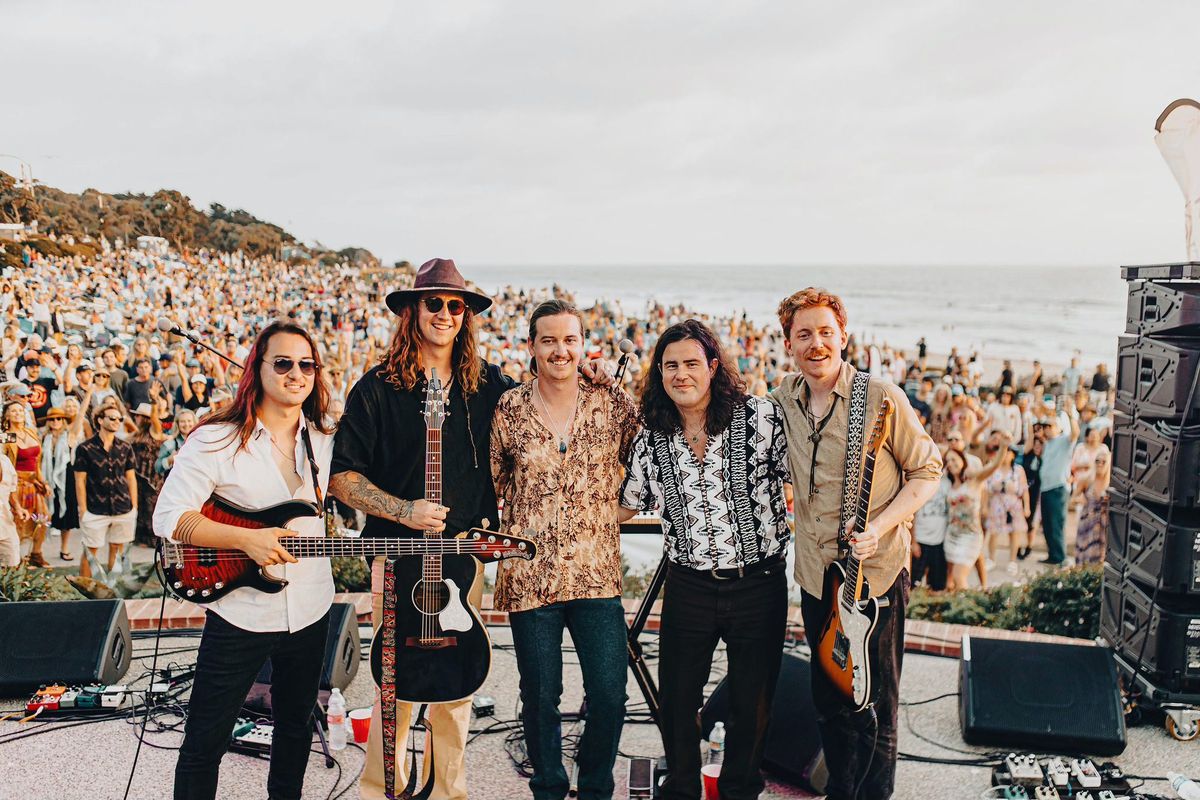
75 642
342 654
793 750
1060 698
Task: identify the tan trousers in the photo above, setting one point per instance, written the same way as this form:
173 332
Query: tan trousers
450 722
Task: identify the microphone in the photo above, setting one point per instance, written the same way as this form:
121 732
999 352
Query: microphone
626 348
167 326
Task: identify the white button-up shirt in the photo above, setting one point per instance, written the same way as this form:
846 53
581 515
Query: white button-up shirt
211 462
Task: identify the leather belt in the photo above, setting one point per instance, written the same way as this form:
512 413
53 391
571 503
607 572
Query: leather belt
735 573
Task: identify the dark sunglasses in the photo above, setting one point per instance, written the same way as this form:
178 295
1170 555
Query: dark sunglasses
454 305
283 366
110 418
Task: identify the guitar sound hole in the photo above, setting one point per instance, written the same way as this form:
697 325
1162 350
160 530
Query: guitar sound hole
430 597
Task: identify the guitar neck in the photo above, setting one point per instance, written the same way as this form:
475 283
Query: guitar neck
432 563
317 547
852 590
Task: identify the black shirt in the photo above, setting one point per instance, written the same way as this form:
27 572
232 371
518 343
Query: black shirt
107 489
382 437
39 401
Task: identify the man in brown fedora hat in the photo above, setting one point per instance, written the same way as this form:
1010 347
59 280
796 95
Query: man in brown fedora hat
379 460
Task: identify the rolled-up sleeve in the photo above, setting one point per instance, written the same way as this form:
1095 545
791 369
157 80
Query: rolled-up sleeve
191 481
912 447
357 433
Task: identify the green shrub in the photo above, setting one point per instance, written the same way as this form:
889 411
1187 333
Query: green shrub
350 574
1060 602
30 583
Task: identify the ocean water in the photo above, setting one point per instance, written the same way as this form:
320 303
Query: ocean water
1001 312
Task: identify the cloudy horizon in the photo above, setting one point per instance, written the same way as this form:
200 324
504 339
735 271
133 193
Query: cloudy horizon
631 133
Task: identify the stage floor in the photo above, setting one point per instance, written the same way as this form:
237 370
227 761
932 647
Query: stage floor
93 761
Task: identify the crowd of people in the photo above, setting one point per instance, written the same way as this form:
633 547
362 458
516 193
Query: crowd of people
81 351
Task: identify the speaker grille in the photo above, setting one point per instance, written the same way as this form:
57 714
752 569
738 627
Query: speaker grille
73 642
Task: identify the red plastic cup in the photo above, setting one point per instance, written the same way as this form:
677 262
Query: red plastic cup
360 721
710 773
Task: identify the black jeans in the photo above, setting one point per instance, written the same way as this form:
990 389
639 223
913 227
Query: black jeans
598 630
750 615
226 666
930 567
851 740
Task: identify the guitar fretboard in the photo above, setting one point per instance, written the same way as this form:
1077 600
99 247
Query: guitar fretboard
851 588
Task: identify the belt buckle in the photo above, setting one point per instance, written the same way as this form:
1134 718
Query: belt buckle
741 573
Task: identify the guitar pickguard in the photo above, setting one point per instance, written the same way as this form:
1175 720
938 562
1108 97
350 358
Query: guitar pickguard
454 617
856 631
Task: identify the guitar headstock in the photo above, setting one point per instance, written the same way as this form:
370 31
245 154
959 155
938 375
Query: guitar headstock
883 422
435 402
497 546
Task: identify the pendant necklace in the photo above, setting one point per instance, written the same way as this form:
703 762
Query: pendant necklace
562 437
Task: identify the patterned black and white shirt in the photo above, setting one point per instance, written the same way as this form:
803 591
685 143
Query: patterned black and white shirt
708 521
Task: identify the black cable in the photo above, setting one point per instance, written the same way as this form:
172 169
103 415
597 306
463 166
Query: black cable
153 668
929 699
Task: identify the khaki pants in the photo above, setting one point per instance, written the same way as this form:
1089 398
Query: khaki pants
450 723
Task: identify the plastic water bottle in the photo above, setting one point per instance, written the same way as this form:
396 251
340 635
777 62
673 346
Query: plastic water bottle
1183 786
335 718
716 744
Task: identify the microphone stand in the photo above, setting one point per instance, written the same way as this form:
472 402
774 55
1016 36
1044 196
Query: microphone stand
196 341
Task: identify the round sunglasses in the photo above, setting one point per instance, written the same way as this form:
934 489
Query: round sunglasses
453 305
283 366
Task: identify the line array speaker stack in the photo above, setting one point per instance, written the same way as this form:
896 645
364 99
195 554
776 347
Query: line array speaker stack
1151 593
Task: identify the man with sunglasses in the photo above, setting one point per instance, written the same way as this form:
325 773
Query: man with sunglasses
105 489
379 468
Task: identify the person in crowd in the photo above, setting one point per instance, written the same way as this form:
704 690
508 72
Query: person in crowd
1100 387
105 490
277 426
562 432
11 512
929 537
964 527
185 423
1091 536
146 442
1086 454
726 534
64 432
1059 432
1007 493
24 449
940 421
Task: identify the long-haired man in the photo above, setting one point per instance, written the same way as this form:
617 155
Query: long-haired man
817 407
713 462
271 445
379 468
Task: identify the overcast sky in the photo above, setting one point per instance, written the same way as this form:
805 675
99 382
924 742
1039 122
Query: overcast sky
943 132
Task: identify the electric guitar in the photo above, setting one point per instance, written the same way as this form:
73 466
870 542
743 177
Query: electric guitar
442 650
844 647
205 574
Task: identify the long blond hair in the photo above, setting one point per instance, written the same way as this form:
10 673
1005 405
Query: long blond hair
401 364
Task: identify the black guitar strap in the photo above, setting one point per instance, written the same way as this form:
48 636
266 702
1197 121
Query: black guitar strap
313 468
854 456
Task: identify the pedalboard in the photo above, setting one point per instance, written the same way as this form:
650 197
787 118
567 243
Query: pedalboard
58 699
1026 776
251 738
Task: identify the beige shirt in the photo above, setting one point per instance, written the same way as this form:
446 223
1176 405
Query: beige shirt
908 454
568 501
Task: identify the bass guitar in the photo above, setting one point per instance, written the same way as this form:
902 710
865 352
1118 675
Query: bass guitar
442 650
205 574
844 647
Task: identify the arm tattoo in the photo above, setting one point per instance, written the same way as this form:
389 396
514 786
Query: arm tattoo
185 529
354 489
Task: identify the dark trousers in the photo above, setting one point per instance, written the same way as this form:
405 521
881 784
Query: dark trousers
1054 522
750 615
930 567
226 666
852 740
598 630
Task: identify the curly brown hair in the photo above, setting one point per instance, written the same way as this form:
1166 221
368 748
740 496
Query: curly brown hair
401 365
727 389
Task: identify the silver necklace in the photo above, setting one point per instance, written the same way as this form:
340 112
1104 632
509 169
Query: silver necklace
562 437
694 437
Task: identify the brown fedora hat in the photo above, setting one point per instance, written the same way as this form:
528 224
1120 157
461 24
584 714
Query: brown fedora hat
439 275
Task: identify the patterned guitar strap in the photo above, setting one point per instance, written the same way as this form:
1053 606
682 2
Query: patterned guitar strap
854 455
387 701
